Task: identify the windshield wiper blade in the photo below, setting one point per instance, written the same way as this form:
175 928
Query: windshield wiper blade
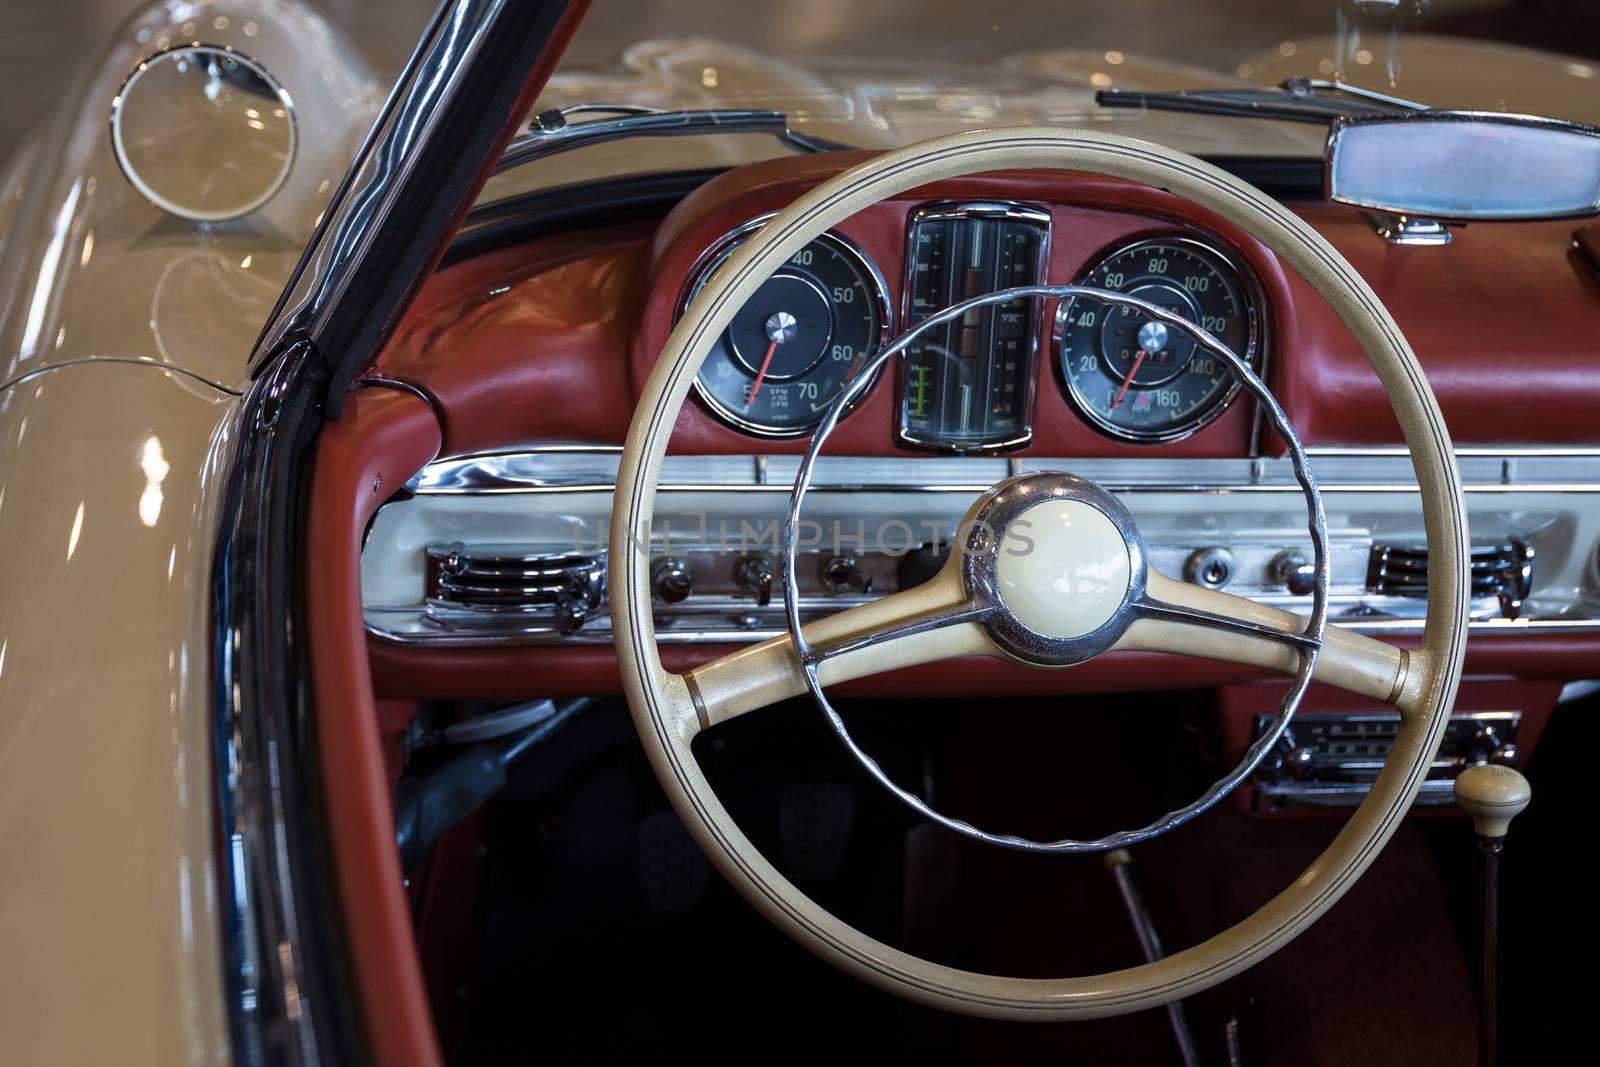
550 132
1296 100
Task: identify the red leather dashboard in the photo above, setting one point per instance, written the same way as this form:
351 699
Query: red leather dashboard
552 340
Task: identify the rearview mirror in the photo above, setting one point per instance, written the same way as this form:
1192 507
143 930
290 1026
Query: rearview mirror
1464 165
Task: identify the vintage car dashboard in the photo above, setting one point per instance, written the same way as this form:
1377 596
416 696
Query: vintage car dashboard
489 569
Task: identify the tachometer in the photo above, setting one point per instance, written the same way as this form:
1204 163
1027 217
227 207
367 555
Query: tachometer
1134 377
797 341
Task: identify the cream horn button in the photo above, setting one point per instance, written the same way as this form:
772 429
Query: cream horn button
1063 569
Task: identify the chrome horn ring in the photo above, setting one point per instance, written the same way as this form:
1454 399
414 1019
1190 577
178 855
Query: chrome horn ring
985 607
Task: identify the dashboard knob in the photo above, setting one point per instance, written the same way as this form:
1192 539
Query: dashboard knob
1300 762
670 578
1507 755
1493 748
840 574
1291 568
756 573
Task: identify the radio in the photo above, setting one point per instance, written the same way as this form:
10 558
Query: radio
1330 760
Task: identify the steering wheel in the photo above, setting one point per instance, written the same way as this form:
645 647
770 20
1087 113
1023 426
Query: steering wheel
1048 571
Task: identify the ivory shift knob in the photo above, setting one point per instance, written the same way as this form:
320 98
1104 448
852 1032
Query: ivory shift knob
1493 795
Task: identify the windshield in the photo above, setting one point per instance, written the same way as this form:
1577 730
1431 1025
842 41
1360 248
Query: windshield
884 73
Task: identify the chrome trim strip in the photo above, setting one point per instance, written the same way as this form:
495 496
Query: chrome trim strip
1345 471
729 635
288 993
974 487
274 1011
1507 451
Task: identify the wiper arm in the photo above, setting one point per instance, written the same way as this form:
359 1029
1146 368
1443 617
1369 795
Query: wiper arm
1296 100
549 133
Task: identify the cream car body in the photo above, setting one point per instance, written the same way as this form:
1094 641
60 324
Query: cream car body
124 339
124 335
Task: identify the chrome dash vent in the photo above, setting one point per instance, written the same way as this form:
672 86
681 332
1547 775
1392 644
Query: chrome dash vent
483 585
1503 572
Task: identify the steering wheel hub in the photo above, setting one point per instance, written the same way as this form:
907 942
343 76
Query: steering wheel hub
1063 569
1062 561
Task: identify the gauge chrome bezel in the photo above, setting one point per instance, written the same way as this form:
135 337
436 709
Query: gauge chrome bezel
1255 353
938 210
715 252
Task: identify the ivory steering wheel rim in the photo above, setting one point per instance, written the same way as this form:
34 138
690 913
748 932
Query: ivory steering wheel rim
669 710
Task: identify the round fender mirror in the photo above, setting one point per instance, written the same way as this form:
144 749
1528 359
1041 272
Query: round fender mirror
203 132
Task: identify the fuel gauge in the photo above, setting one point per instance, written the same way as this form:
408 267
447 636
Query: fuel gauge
967 386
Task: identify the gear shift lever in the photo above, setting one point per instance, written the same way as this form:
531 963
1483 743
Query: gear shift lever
1493 795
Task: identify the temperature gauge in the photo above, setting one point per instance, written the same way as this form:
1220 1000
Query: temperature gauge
967 386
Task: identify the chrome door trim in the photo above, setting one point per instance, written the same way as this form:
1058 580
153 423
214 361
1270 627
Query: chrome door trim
276 993
288 988
399 166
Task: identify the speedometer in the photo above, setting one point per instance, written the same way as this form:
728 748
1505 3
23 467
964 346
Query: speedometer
798 341
1136 378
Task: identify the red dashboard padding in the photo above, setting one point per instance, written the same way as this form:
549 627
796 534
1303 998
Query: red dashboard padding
1503 321
529 343
384 438
1496 319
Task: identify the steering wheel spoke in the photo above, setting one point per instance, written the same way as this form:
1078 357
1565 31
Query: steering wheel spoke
1190 620
926 624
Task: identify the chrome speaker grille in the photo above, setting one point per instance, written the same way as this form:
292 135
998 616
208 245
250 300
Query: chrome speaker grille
483 584
1503 571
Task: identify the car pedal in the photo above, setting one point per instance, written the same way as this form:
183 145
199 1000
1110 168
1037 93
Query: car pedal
814 821
930 890
672 869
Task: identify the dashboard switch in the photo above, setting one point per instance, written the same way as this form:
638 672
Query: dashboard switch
842 574
755 574
1291 569
1211 568
670 579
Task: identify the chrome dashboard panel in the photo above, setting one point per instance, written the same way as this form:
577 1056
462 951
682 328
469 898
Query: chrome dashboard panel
557 499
